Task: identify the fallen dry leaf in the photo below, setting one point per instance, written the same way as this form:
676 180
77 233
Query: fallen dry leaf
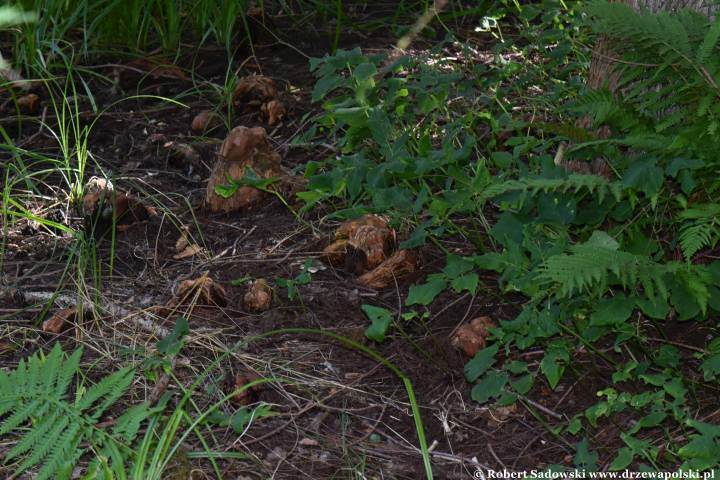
258 296
254 90
188 251
203 121
400 264
206 290
58 321
247 395
274 111
29 104
471 336
7 347
244 148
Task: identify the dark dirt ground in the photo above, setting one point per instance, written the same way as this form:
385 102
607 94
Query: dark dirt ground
339 413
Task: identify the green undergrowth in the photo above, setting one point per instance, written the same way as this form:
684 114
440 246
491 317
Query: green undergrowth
65 425
610 239
169 26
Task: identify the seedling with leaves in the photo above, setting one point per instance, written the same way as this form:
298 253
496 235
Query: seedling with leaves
302 278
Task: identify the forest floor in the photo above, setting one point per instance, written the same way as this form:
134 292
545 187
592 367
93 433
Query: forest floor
337 412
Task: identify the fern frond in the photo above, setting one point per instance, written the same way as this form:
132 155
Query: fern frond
40 433
574 182
41 449
695 237
34 406
709 43
591 267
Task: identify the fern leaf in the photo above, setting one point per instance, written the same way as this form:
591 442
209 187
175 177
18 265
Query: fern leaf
21 415
50 369
574 182
696 236
128 424
592 266
113 386
701 211
51 441
65 446
68 371
709 43
36 436
117 389
34 407
32 378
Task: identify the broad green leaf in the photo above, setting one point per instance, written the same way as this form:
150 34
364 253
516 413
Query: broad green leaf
675 388
467 282
523 384
552 369
226 191
711 367
489 387
456 266
584 458
612 311
644 176
624 372
326 85
380 318
364 71
574 426
622 460
416 238
480 363
501 159
603 240
507 229
171 344
668 356
425 293
656 308
681 164
701 447
704 428
517 367
652 419
240 419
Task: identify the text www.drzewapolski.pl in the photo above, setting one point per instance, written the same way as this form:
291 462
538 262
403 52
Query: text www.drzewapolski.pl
488 474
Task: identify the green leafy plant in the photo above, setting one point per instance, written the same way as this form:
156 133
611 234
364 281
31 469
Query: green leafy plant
53 431
302 278
589 230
